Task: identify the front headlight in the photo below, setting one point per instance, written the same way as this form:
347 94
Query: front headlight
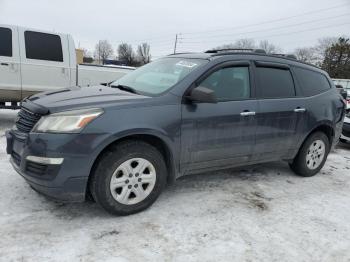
68 121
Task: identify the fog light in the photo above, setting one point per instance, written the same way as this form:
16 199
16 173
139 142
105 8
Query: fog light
45 160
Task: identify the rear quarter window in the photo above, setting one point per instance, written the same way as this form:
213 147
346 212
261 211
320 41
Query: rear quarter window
42 46
312 83
5 42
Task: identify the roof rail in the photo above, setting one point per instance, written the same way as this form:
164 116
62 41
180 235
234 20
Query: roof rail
291 56
216 51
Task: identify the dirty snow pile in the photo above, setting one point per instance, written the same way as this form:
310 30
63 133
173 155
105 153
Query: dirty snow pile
257 213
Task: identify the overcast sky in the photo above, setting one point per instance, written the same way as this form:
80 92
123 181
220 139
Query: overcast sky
203 24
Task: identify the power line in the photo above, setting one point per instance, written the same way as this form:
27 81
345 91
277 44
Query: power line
269 21
188 49
170 35
273 28
167 40
275 35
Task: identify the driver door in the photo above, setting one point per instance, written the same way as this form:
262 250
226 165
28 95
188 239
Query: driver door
220 134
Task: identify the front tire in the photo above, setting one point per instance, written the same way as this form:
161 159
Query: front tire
312 155
128 178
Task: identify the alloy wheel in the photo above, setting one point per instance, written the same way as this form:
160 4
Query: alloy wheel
133 181
315 154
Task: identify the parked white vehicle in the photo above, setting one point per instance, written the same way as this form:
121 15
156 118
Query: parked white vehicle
345 135
345 84
32 61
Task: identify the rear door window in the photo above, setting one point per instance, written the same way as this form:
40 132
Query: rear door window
274 83
312 83
5 42
42 46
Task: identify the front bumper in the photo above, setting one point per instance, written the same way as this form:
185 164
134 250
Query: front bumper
63 180
72 190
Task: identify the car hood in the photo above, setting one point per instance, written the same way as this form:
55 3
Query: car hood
80 97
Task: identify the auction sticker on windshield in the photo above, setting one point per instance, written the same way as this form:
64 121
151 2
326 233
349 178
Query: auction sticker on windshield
186 64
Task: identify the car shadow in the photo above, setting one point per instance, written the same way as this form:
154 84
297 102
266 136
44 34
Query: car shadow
342 145
207 181
253 172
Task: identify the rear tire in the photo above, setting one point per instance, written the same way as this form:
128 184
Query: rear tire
312 155
128 178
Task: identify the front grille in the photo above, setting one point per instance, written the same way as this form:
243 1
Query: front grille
16 158
35 168
26 120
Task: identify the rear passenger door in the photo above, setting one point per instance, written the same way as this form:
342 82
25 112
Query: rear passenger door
280 114
45 61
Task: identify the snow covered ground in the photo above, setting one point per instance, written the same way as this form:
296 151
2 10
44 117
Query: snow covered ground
257 213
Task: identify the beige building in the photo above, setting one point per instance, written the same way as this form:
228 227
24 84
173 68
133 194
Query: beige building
80 56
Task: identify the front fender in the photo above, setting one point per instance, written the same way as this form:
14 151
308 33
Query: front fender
161 121
169 143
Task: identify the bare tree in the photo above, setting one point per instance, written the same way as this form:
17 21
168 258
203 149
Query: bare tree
103 50
126 54
321 47
306 54
269 47
86 52
87 56
143 53
324 43
244 43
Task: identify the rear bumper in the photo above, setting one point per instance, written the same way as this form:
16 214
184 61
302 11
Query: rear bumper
337 130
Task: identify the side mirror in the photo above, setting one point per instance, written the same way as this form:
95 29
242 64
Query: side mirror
202 94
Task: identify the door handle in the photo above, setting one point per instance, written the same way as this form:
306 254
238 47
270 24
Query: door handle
299 110
4 64
247 113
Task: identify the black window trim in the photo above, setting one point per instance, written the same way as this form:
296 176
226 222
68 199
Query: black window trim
51 61
274 65
217 67
11 31
271 65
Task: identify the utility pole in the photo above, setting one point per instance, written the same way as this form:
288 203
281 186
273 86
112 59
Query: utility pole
99 51
175 44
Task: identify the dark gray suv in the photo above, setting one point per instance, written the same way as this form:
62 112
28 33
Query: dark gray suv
179 115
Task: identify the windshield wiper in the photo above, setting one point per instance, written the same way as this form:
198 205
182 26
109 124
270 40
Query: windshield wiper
125 88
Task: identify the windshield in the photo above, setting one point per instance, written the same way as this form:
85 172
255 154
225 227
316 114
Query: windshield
159 76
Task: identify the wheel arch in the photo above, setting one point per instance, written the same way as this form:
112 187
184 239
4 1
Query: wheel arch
159 141
324 127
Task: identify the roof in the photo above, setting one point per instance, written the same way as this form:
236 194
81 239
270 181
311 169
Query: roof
245 54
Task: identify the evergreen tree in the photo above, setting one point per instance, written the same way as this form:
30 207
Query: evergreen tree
337 59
